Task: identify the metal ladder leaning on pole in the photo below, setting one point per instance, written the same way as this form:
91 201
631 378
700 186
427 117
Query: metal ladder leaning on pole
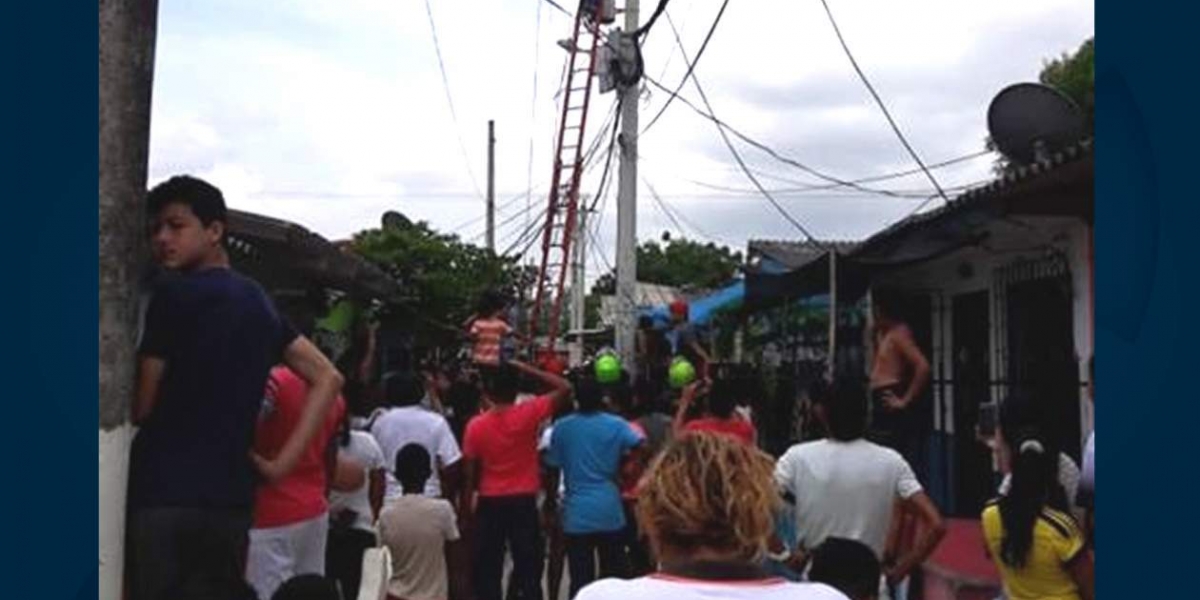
559 228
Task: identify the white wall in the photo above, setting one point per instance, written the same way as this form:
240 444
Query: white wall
114 467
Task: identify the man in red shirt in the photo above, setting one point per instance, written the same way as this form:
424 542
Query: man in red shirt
720 418
503 479
291 514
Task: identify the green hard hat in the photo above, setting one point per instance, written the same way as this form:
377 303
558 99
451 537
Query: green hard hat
681 372
608 369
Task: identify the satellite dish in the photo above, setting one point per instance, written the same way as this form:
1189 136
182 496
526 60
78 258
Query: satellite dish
1030 121
394 220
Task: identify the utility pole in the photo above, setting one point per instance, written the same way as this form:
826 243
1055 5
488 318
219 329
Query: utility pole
578 283
127 31
491 192
627 203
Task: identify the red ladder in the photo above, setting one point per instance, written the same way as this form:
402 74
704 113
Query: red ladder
559 228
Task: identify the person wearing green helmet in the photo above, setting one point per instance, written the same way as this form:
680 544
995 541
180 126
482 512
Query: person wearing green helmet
608 368
681 373
684 340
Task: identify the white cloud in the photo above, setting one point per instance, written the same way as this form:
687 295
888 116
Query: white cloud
329 113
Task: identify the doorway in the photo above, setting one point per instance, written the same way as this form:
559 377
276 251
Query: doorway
973 460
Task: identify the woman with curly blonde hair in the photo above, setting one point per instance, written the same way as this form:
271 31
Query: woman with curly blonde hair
707 506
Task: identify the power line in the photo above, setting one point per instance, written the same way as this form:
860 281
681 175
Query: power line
537 35
479 218
658 10
725 137
671 53
662 207
612 144
879 101
801 187
437 46
558 7
841 191
691 66
771 151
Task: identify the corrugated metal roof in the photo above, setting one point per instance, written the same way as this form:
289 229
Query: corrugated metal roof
292 246
980 195
795 254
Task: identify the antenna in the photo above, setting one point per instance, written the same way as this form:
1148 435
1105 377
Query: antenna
1030 121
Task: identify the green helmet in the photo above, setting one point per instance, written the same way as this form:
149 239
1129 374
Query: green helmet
681 372
608 369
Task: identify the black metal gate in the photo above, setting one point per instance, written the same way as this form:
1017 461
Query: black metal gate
1035 343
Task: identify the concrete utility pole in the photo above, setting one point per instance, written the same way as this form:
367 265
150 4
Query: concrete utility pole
627 207
491 194
127 30
578 283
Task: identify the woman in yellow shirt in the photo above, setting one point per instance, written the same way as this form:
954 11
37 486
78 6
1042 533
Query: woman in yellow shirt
1037 546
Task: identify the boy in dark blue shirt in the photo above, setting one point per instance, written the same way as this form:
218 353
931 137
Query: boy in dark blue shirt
211 336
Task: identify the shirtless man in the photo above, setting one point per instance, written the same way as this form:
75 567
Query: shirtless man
899 375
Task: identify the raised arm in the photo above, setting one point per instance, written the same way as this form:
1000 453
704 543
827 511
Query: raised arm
560 388
685 403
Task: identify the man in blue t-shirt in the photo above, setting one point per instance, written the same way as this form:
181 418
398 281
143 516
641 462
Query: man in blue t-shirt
210 338
588 447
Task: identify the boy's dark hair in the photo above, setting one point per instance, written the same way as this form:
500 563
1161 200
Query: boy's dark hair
308 587
845 405
589 393
622 393
849 566
502 383
413 467
402 388
645 322
204 199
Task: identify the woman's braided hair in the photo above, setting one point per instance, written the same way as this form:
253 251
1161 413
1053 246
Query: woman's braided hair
710 491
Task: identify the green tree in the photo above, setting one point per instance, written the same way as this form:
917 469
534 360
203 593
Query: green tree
444 276
676 262
679 262
1073 74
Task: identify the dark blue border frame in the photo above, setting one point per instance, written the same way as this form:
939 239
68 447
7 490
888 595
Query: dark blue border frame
49 168
1147 217
1146 225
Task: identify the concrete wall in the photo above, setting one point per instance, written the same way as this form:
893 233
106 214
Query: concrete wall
1009 241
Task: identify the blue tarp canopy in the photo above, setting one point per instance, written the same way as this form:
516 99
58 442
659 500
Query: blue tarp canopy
700 310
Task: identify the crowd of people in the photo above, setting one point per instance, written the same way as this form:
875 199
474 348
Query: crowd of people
252 478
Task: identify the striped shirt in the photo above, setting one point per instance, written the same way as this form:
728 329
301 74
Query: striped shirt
488 333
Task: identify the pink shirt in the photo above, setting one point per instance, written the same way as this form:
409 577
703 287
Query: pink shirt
504 440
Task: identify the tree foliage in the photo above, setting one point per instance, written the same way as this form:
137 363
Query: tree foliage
1073 74
678 262
444 276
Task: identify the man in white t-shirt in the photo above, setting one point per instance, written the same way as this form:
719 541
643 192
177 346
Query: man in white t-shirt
847 487
409 423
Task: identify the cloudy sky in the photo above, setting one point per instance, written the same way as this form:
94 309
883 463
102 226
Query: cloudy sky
329 112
